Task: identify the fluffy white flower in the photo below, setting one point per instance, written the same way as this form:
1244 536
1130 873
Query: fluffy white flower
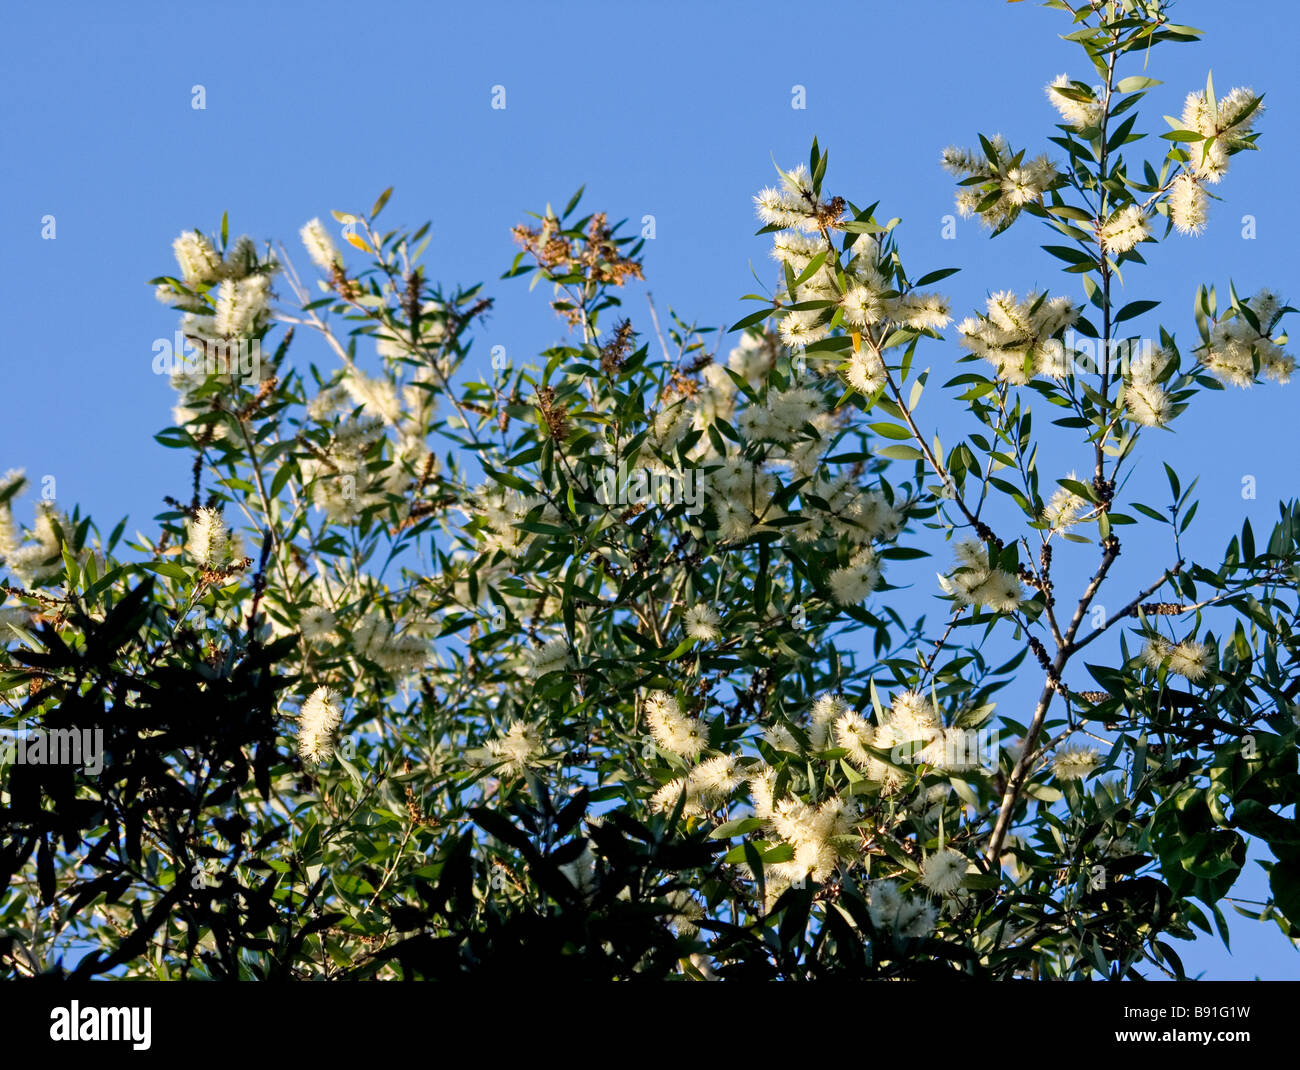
198 260
1079 114
1075 762
1125 229
672 730
551 656
975 583
1018 337
855 734
317 622
1189 204
1064 508
943 871
320 246
702 622
318 719
852 583
519 748
209 539
1189 659
242 306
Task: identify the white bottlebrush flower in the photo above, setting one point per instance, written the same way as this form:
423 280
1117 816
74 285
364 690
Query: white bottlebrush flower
665 799
242 308
823 714
199 262
943 871
672 730
316 622
1235 345
917 919
852 583
1224 127
18 616
855 734
320 246
209 539
1064 508
715 779
753 358
1147 403
781 738
378 397
1189 204
686 912
551 656
921 311
1079 114
1001 592
318 719
862 306
975 583
884 901
520 747
1189 659
1125 229
702 622
1018 337
802 328
912 717
1075 762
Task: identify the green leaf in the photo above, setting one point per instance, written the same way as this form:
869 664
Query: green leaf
1134 82
736 828
1134 308
380 201
901 453
170 569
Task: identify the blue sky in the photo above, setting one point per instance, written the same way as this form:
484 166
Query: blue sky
670 109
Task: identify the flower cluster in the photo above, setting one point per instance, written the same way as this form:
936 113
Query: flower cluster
39 561
377 640
1124 229
943 871
1224 127
820 835
996 187
225 301
1144 398
517 750
1076 102
210 542
1189 659
672 730
892 912
1065 508
974 582
1019 337
1189 204
1075 762
318 720
320 246
1242 346
708 786
795 204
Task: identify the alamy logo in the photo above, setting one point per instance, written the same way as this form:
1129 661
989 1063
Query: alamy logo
644 486
238 357
54 746
76 1022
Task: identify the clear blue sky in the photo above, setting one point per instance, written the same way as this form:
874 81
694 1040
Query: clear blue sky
670 109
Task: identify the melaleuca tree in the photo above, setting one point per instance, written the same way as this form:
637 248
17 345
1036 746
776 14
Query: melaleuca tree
602 665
